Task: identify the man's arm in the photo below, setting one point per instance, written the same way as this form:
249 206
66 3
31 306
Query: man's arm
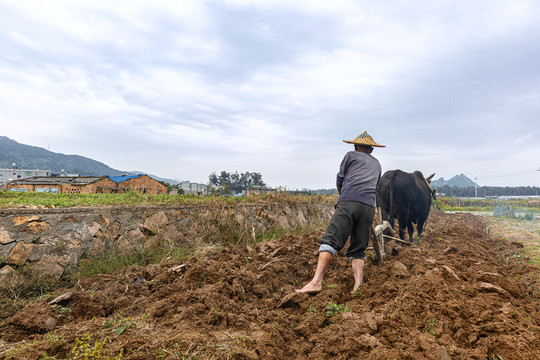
342 171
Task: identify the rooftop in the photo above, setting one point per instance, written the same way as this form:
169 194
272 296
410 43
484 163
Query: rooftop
55 180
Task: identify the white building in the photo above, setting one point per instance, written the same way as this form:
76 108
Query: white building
17 174
194 188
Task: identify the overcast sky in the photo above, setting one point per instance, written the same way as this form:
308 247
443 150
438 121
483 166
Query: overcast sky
181 89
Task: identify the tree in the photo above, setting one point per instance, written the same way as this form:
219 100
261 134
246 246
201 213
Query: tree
235 182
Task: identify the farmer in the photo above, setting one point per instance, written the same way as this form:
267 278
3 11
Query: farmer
356 183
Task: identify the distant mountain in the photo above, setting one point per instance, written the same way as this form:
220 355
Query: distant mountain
33 157
460 181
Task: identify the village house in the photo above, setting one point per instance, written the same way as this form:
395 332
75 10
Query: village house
62 184
143 184
89 184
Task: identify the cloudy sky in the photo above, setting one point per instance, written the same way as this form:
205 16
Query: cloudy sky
181 89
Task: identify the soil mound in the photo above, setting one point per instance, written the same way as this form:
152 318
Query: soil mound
458 294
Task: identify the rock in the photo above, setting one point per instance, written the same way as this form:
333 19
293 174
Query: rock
93 229
442 354
301 219
98 246
506 308
20 253
63 297
396 247
400 270
450 250
177 268
155 222
104 220
124 246
52 266
5 270
40 249
5 249
451 272
5 238
19 220
112 231
169 232
35 227
131 241
282 221
492 288
490 274
72 237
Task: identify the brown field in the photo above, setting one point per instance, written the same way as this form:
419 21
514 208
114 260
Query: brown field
468 290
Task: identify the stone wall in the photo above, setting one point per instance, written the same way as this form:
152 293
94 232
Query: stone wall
53 241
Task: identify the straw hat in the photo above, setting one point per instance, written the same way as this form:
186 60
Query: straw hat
364 139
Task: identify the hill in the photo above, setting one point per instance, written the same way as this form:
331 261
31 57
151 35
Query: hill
460 181
33 157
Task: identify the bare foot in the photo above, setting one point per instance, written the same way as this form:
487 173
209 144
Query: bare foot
310 289
355 288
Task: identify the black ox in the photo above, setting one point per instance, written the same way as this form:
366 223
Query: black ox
407 197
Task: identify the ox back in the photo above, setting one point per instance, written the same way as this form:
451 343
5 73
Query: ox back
407 197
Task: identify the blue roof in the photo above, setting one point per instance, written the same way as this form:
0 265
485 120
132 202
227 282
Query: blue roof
119 179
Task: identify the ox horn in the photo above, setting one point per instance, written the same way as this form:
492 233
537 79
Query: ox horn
433 193
428 179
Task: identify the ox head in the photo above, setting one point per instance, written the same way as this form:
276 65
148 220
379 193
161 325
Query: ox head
428 183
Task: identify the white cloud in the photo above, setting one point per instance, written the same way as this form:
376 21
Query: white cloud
185 88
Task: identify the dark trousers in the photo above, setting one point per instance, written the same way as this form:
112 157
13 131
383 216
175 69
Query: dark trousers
354 219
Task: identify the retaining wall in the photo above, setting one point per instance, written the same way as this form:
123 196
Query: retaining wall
53 241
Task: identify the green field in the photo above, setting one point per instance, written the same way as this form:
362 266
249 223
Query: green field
526 208
48 200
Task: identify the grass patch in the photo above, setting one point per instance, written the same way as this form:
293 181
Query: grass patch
518 230
520 206
11 199
112 263
23 285
333 309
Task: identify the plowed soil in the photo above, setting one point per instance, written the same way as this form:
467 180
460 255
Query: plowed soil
458 294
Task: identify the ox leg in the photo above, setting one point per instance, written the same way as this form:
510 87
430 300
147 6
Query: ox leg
402 226
410 230
420 228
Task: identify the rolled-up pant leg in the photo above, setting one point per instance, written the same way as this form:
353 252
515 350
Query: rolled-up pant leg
350 218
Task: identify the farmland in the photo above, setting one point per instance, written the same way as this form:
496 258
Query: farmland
469 289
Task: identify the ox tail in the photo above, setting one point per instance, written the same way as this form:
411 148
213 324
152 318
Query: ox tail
391 199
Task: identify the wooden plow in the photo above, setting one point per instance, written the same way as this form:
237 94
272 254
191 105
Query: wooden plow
378 237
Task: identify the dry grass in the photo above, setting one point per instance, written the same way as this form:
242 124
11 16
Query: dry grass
526 232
